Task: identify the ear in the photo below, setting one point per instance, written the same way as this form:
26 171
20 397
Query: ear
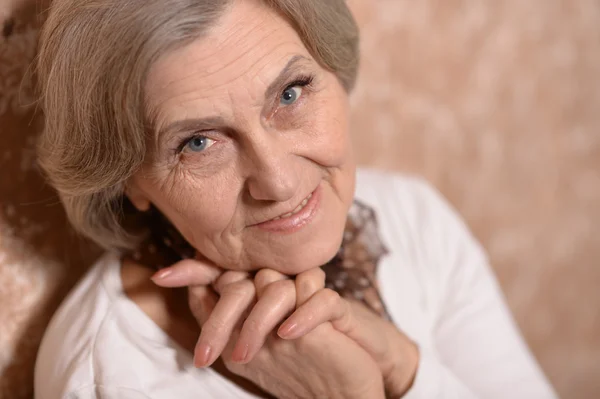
137 198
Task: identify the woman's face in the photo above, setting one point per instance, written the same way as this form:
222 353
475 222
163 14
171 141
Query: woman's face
253 162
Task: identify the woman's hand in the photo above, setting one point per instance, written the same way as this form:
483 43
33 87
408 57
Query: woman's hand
257 306
238 314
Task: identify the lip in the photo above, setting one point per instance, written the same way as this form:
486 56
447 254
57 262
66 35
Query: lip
296 221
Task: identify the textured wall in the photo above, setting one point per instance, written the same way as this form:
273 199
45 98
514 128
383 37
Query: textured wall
498 104
495 102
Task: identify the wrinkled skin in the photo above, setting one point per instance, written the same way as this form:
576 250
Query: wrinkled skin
249 126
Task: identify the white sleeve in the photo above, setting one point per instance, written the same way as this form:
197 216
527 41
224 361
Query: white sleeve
434 380
105 392
479 350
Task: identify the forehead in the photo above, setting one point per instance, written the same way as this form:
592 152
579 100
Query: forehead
249 45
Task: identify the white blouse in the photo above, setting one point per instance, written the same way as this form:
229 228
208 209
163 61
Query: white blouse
436 283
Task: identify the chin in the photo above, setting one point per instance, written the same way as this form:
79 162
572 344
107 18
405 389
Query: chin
300 249
309 254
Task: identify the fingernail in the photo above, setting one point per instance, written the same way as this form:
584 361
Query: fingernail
162 274
287 330
202 355
240 353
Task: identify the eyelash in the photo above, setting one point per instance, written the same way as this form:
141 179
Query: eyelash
301 81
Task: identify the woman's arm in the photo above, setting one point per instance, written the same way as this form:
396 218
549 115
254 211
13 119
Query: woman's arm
478 350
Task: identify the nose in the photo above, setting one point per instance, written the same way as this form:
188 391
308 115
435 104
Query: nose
273 173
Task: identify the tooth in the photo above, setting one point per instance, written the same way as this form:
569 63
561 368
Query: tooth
298 208
287 215
277 218
303 204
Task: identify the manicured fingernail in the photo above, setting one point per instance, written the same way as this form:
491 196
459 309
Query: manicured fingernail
202 355
240 353
162 274
287 330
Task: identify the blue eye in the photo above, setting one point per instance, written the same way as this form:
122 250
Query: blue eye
291 95
199 144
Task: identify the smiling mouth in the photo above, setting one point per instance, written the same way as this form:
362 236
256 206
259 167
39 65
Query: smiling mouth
295 211
297 219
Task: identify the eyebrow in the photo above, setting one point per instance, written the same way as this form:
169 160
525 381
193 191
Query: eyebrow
192 124
212 121
281 80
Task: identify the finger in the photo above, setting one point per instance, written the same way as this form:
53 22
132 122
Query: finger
230 277
308 283
185 273
264 278
324 306
202 300
216 331
277 301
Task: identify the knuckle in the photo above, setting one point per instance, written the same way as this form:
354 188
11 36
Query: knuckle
238 289
214 327
307 286
253 326
229 278
217 327
318 274
280 288
265 277
330 297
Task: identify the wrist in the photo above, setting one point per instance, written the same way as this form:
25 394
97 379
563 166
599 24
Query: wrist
375 391
404 364
370 385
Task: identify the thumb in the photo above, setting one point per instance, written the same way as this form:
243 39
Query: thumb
188 272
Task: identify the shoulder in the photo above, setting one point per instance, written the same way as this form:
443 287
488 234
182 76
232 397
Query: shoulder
408 192
416 220
407 202
101 344
63 360
84 326
432 252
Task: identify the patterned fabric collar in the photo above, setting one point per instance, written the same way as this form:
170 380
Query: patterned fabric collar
353 271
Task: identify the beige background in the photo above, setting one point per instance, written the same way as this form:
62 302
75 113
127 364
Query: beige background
495 102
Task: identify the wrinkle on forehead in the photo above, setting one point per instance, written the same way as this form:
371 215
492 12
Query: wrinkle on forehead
249 42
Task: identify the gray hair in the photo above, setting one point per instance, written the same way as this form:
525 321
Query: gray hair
94 57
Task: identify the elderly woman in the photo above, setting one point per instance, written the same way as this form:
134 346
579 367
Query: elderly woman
204 144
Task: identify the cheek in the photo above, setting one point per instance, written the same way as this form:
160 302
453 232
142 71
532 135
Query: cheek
331 145
199 207
328 133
